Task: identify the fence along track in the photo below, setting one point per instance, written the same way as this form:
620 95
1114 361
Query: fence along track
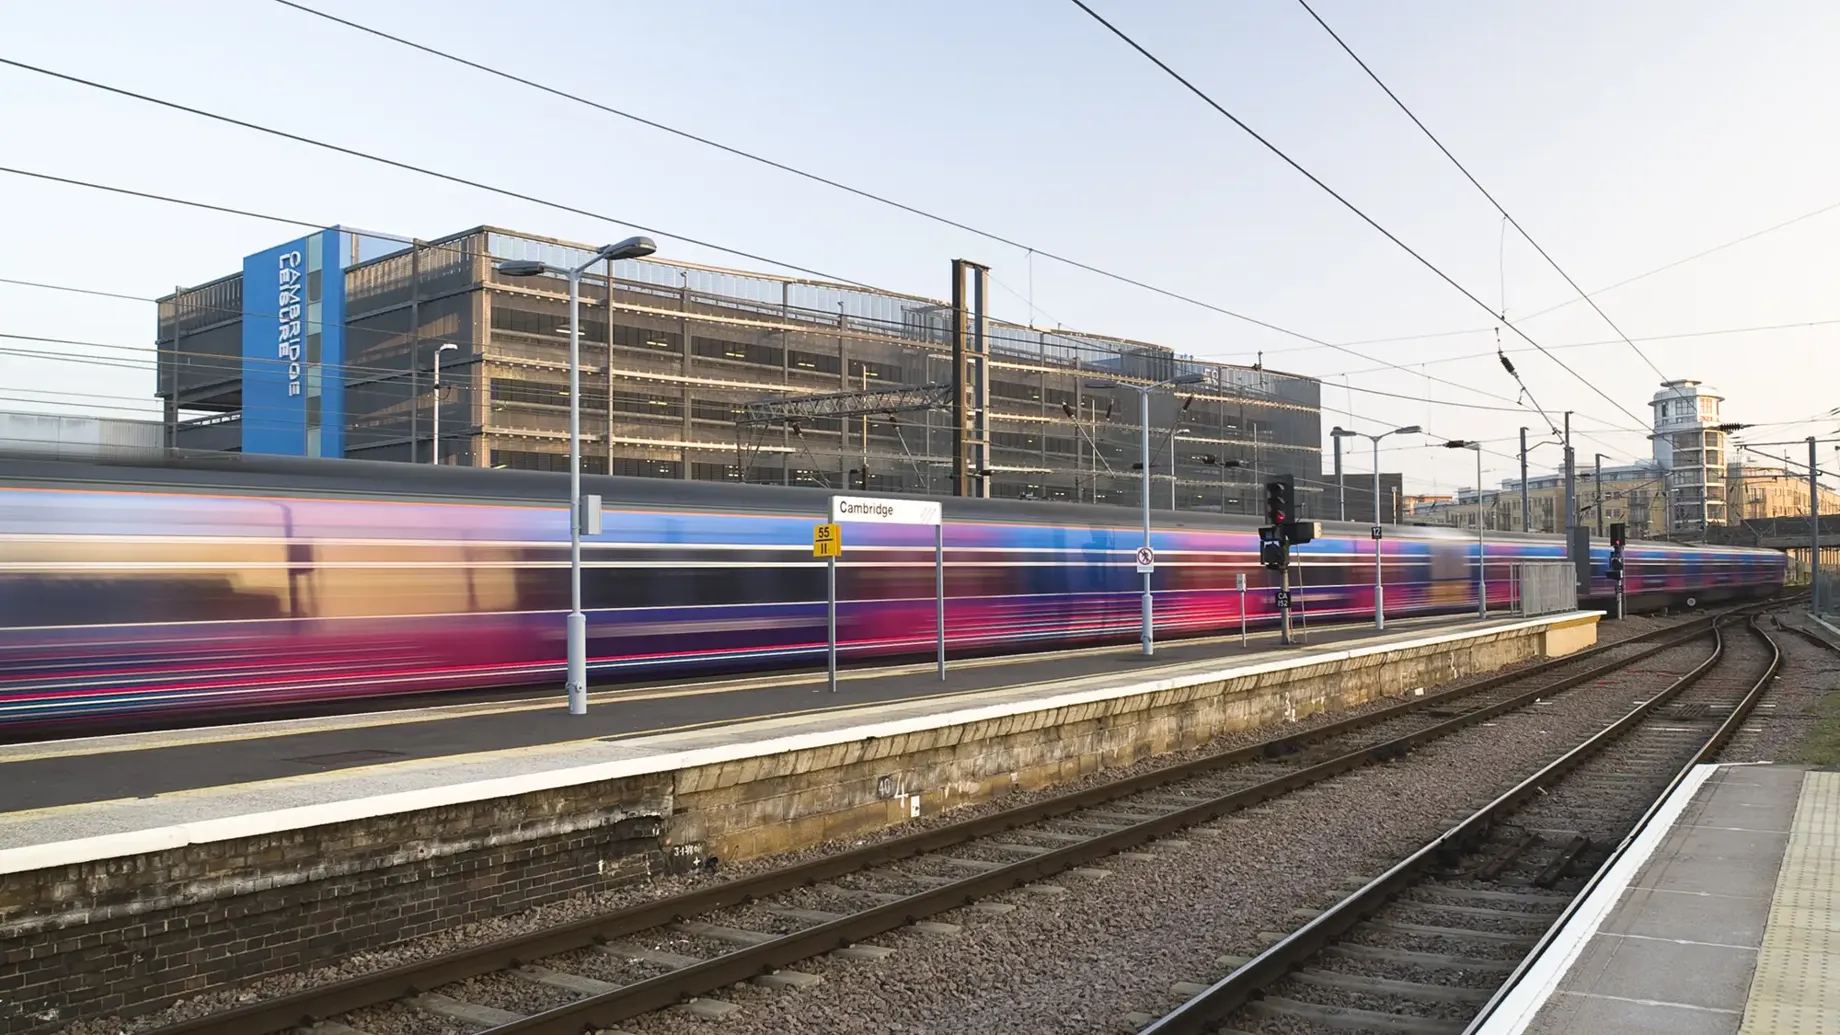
1500 884
604 1009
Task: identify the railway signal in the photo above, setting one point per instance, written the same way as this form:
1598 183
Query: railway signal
1274 553
1280 496
1618 537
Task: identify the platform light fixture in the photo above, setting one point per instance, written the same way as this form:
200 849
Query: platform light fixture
1482 579
631 248
1148 635
435 449
1379 570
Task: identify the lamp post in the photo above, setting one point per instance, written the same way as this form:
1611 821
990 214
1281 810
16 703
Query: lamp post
1482 556
631 248
1341 490
1143 411
1173 435
435 446
1379 575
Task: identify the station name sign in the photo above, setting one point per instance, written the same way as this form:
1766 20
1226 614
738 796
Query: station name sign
885 512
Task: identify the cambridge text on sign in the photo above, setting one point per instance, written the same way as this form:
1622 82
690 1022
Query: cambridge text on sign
886 512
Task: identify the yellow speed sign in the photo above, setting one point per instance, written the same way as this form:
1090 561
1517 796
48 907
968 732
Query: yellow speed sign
827 540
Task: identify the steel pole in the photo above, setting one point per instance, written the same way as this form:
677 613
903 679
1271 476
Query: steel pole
1814 530
1597 490
830 622
1379 573
1571 485
1143 412
578 622
435 447
939 590
1705 492
415 407
1526 510
1341 490
1482 549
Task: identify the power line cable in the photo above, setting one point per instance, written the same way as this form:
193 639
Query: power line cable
1603 290
1582 293
795 171
420 170
857 191
1598 343
1512 408
1369 220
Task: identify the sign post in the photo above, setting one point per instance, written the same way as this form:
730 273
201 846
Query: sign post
1379 577
871 510
1240 580
827 542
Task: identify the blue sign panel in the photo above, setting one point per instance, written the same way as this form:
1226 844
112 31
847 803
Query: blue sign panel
294 348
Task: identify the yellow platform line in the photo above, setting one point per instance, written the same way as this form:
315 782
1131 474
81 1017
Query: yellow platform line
1796 987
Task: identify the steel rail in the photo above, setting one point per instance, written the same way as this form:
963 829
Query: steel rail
1727 729
335 998
610 1008
1211 1007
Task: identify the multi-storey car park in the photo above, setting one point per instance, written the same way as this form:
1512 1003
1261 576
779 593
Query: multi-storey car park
669 362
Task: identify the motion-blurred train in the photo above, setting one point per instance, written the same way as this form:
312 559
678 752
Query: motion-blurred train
167 588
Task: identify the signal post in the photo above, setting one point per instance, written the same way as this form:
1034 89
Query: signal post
1277 537
1617 540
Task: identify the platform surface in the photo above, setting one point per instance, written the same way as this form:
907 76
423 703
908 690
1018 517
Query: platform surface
144 792
1722 921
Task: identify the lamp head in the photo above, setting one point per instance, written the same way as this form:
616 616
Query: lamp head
631 248
522 268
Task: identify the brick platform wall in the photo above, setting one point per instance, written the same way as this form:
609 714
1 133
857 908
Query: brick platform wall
762 805
134 933
137 932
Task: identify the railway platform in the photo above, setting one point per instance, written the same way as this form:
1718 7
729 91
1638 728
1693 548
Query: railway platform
1721 916
194 857
132 772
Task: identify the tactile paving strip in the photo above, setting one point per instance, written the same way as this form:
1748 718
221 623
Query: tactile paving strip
1796 989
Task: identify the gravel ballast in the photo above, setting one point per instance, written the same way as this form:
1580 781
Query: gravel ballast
1249 877
1078 963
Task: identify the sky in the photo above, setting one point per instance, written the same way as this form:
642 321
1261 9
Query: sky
1624 136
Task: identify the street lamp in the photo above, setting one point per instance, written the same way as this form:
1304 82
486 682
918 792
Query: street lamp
1341 492
1482 557
631 248
1379 577
1173 435
1143 411
435 449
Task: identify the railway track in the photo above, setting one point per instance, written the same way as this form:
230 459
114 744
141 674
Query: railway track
1426 946
596 973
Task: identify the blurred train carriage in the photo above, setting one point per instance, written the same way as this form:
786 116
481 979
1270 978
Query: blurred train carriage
172 587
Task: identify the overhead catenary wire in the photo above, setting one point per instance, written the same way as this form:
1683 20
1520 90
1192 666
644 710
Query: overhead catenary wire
1030 249
868 195
560 206
1351 206
1715 249
1505 215
421 170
